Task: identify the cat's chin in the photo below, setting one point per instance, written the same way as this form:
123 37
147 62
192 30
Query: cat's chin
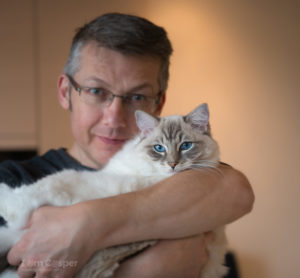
179 169
174 171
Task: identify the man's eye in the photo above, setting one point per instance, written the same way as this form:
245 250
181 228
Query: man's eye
95 91
138 97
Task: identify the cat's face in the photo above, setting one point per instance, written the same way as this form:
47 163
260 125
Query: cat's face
178 143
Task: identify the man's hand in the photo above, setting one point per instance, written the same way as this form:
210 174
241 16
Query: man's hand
168 259
47 249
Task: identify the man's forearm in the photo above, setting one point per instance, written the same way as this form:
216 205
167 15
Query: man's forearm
167 259
187 204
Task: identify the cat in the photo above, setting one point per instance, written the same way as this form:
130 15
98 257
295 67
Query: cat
163 147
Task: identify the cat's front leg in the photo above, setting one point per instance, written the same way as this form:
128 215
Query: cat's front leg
15 209
12 206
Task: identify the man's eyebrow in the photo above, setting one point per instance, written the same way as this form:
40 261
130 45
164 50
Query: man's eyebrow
101 82
96 79
140 87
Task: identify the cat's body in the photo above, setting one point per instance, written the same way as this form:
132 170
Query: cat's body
163 148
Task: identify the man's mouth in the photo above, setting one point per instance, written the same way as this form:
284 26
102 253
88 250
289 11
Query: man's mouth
112 141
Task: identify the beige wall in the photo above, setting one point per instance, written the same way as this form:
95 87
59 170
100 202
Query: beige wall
18 95
242 57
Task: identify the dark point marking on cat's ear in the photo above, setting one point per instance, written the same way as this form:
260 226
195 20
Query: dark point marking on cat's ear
199 118
145 122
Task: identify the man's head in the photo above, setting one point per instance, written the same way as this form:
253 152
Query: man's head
115 62
126 34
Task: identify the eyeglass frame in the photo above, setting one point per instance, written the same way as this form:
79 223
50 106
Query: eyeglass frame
80 88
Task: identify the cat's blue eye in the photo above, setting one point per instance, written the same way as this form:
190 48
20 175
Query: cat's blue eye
159 148
186 146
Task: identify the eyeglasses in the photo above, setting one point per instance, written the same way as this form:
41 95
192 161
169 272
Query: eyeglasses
100 97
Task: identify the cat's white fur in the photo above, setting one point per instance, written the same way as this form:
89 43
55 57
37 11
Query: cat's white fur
129 170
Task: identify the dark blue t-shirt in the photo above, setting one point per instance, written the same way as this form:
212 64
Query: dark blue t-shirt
17 173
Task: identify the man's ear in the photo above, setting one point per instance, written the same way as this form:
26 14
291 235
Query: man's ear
63 88
160 104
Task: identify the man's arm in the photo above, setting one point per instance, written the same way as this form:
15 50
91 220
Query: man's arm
168 259
184 205
188 204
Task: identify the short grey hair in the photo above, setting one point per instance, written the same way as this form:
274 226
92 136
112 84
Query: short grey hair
127 34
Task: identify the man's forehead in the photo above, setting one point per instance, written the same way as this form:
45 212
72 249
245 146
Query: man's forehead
105 66
94 50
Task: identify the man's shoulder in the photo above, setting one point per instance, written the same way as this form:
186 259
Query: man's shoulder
16 173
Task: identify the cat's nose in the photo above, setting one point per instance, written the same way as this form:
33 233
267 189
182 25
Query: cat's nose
172 164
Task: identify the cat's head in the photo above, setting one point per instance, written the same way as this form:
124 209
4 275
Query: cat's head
179 142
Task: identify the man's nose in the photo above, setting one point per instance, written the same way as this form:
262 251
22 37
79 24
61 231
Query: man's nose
115 113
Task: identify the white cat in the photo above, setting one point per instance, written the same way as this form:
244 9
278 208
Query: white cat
164 147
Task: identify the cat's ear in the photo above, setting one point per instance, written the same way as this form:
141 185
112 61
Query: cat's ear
199 118
145 122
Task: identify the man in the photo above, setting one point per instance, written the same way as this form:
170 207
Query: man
115 61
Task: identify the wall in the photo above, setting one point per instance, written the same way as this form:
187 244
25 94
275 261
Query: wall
18 97
241 57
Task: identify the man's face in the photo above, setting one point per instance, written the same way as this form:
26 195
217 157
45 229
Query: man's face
101 132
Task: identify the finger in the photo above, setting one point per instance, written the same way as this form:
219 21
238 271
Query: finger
26 270
14 256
